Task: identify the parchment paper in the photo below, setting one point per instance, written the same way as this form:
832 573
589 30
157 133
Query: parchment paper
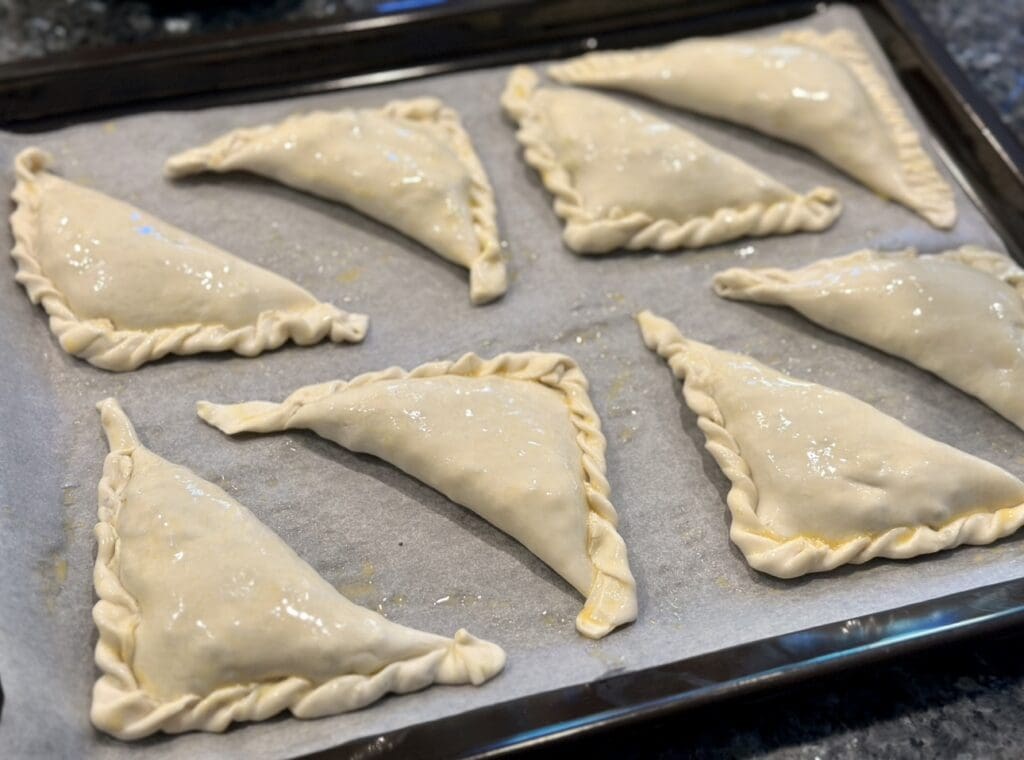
381 537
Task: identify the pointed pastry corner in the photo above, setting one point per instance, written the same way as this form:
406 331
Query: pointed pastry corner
471 660
118 428
192 161
941 214
742 284
520 86
611 603
347 327
31 161
210 156
657 331
252 416
488 279
824 206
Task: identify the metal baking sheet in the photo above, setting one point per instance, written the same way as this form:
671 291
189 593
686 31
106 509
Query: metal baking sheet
379 536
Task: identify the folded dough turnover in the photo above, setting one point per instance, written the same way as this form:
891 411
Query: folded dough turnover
819 91
820 479
206 617
514 438
410 165
959 314
123 288
624 178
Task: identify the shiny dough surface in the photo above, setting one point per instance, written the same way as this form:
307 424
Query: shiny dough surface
959 314
409 164
224 621
624 178
123 287
820 478
515 439
819 91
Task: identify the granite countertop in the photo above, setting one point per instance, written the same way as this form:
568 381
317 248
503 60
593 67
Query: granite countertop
964 700
986 37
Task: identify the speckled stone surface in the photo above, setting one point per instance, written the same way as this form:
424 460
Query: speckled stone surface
963 701
986 37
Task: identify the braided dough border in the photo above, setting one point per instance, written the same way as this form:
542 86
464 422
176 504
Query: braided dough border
585 233
122 707
487 276
103 345
789 557
770 285
611 600
930 195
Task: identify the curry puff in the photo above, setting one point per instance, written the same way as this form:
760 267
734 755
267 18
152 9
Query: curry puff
819 91
410 165
123 288
622 177
959 314
821 479
514 438
207 617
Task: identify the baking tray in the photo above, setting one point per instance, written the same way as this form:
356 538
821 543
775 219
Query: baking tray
289 60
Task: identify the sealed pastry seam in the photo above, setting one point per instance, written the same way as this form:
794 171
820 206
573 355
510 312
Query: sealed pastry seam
488 279
844 128
611 600
102 344
122 706
586 233
958 313
789 557
930 194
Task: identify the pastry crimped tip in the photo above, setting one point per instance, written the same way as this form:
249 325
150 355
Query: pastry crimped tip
31 161
515 99
119 430
247 417
211 156
470 660
659 334
488 279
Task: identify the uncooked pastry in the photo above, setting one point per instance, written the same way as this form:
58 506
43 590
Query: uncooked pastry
207 617
123 288
624 178
819 91
959 314
513 438
820 479
409 164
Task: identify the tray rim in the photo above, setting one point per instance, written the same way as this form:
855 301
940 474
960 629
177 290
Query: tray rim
32 90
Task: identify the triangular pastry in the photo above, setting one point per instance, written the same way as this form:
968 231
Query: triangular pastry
625 178
123 288
410 165
820 479
514 438
207 617
959 314
819 91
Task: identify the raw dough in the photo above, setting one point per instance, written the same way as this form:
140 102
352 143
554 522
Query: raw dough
206 617
959 314
819 91
409 164
123 288
513 438
624 178
820 479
